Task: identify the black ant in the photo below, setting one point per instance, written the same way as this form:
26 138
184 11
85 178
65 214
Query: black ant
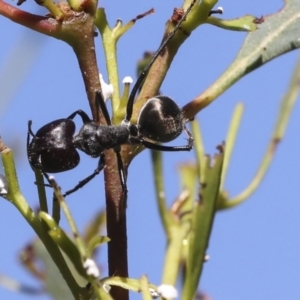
53 148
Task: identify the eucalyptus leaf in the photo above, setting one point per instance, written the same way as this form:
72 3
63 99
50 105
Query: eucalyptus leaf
202 220
277 34
54 282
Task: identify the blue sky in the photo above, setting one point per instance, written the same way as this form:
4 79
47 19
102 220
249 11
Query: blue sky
254 248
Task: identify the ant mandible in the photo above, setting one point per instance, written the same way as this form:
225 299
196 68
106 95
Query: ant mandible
53 147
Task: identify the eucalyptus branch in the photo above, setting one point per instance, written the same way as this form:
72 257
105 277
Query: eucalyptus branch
284 113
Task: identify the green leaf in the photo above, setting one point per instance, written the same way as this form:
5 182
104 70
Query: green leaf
145 288
96 241
126 283
189 181
278 34
65 243
285 110
245 23
202 220
53 280
94 226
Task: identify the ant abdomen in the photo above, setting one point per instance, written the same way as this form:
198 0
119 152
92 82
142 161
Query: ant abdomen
52 147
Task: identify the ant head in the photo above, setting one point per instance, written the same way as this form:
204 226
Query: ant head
160 119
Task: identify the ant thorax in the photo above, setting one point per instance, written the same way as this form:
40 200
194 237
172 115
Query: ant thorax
93 139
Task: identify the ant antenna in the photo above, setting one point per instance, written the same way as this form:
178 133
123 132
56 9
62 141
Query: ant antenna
146 70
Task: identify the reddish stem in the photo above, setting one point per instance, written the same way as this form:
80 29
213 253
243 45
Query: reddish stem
34 22
116 224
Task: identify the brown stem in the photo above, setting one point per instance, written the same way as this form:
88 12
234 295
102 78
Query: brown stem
116 224
160 68
115 202
84 48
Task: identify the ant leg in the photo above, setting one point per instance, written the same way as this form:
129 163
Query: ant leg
122 173
38 166
101 165
101 102
190 137
144 73
218 11
29 132
153 146
85 118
